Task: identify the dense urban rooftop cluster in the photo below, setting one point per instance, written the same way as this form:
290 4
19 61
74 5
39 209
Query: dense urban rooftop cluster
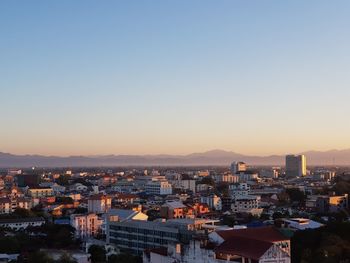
237 213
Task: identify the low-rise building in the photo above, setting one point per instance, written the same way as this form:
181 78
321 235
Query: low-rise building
247 204
162 187
22 223
213 201
299 223
135 236
327 203
176 209
257 245
86 225
40 192
99 203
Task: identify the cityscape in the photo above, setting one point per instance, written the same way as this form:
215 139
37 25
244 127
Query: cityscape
174 131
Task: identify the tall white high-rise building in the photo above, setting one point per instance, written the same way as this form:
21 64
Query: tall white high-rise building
295 165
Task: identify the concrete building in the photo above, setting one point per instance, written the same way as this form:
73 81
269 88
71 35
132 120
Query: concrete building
327 203
295 165
99 203
162 187
238 167
40 192
135 236
86 225
239 190
299 223
121 215
22 223
258 245
226 178
188 185
213 201
13 199
176 209
247 176
247 204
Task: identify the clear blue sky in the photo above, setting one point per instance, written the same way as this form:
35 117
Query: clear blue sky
102 77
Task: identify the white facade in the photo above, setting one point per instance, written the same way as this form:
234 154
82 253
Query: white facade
159 188
188 185
85 225
247 204
239 190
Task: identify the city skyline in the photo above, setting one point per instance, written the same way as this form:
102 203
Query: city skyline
88 78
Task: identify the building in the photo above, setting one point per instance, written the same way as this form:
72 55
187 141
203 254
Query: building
200 209
40 192
226 178
121 215
188 185
247 204
247 176
213 201
327 203
86 225
31 180
123 198
274 172
5 205
176 209
99 203
22 223
135 236
77 255
238 167
299 223
162 187
295 165
239 190
13 199
257 245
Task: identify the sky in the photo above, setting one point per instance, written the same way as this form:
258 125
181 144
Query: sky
174 77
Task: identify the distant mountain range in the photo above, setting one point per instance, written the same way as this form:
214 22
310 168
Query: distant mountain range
215 157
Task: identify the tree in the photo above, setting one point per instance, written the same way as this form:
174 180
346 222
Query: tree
59 236
323 245
9 245
229 220
63 179
65 258
64 200
98 253
296 195
277 215
208 180
222 189
39 257
124 258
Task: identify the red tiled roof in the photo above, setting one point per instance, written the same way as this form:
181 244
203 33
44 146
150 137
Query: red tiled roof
245 247
269 234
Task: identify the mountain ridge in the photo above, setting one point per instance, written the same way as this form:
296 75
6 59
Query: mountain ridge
213 157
